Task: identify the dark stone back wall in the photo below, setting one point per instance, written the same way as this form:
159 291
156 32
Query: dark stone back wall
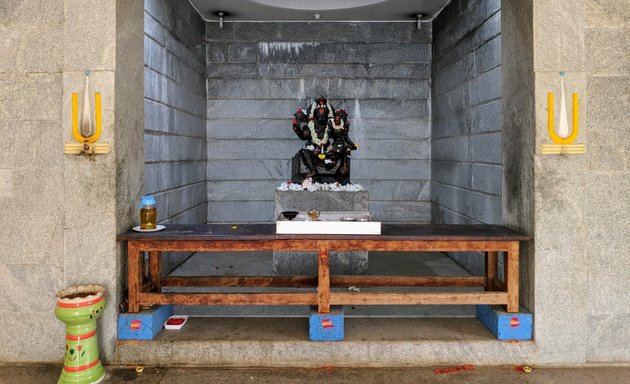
467 117
260 73
175 113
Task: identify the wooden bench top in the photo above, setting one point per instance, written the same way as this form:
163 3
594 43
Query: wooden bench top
267 231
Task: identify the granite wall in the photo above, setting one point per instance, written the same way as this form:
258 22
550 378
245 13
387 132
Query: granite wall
466 118
260 73
61 213
581 206
519 111
32 252
175 114
573 271
607 171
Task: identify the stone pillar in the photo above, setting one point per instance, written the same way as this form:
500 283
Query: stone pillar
305 263
101 196
572 270
518 133
129 136
559 193
62 212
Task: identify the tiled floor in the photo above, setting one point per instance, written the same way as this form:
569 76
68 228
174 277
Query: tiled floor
10 374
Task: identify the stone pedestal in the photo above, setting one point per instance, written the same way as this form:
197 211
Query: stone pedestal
305 263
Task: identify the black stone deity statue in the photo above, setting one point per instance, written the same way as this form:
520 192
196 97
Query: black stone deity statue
326 155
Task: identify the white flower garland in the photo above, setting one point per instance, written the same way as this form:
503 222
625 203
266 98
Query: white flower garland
311 124
338 127
314 138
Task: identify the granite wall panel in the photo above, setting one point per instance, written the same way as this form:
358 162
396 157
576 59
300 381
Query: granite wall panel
466 109
260 73
606 174
175 113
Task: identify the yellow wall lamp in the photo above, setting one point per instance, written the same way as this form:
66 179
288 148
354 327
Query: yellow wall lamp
562 138
85 134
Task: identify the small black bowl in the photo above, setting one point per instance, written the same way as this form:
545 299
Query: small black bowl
289 214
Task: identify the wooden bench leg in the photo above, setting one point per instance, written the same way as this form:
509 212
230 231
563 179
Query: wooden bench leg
491 270
511 277
323 283
155 269
134 277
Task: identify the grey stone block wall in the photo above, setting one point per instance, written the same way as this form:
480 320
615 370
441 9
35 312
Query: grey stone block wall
466 111
606 178
260 73
175 114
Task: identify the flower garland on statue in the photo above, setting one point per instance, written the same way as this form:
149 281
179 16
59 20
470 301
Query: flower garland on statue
311 124
314 138
338 127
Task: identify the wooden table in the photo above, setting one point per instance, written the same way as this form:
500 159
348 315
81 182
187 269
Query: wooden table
489 239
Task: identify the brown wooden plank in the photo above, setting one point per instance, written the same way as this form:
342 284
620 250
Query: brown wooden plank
313 245
134 277
226 245
511 277
409 298
420 245
336 298
155 268
240 281
407 281
335 281
491 270
151 298
323 282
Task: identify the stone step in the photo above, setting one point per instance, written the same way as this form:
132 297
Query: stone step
266 342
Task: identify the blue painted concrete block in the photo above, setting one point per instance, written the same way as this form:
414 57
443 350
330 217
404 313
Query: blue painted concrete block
144 325
326 327
505 325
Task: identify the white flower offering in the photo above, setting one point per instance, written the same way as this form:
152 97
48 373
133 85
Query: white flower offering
313 187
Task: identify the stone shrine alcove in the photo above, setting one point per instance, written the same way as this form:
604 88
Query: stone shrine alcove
425 108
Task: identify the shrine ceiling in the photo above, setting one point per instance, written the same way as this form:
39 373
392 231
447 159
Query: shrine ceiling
324 10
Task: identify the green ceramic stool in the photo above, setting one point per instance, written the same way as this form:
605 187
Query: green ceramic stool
79 307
